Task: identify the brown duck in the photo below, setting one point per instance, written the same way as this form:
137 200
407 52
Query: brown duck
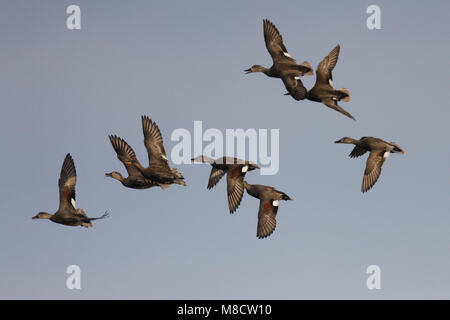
379 152
67 213
125 154
284 66
323 90
158 169
268 207
235 169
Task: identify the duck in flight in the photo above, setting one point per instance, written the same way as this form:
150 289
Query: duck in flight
379 152
236 169
268 207
125 154
284 66
158 169
67 213
323 90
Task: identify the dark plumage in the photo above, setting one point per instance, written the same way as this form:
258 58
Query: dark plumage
284 66
126 154
268 207
379 152
323 90
67 213
158 169
235 169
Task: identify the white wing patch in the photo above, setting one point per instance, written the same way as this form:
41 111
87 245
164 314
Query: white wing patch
297 78
275 203
386 154
330 82
287 54
72 201
244 169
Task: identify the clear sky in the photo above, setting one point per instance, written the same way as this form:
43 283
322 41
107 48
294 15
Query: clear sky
180 61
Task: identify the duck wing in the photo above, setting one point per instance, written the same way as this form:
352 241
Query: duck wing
266 217
154 143
67 181
215 176
373 169
325 67
125 153
357 152
235 187
274 43
294 86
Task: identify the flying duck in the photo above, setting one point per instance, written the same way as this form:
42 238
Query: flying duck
158 169
67 213
125 154
235 169
284 66
323 90
268 207
379 152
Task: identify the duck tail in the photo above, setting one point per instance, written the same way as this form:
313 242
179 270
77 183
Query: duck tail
308 65
180 181
106 214
178 177
284 196
177 174
397 148
345 94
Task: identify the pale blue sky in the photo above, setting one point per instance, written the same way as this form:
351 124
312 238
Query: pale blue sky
179 61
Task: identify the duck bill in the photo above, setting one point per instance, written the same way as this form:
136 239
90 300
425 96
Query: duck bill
338 141
248 71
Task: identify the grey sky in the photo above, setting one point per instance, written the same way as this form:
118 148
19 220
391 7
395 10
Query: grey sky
179 61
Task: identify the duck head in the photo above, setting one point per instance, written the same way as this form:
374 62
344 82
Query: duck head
345 140
115 175
42 215
255 68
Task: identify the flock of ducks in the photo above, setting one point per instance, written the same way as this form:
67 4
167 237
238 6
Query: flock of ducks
286 68
159 173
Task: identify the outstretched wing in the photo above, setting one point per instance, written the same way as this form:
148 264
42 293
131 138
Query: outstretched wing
235 187
67 181
325 67
373 169
266 218
154 142
214 177
274 43
125 153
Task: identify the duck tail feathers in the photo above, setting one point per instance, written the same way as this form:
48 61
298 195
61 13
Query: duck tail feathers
284 196
308 65
345 94
180 181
